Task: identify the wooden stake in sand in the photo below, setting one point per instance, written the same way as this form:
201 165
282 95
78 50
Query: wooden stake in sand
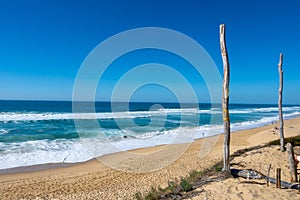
252 174
278 178
293 167
225 100
268 175
280 102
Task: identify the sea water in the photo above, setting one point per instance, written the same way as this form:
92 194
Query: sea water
41 132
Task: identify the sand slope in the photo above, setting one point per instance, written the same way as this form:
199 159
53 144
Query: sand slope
240 188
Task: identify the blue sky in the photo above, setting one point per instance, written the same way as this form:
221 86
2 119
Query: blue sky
43 43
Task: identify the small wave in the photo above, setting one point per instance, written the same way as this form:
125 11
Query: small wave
275 109
261 122
13 116
291 115
263 110
178 110
3 132
241 111
42 152
10 116
17 116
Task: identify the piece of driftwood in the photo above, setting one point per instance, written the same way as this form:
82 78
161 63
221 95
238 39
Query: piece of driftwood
293 168
246 173
280 103
285 184
252 174
225 100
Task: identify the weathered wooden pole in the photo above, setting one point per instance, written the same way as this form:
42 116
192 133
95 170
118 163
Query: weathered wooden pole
293 168
225 100
278 178
268 175
280 102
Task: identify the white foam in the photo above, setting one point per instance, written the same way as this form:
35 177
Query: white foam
16 116
261 122
74 150
275 109
179 110
13 116
42 152
79 150
3 131
241 111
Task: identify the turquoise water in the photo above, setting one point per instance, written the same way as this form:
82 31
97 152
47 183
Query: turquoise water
38 132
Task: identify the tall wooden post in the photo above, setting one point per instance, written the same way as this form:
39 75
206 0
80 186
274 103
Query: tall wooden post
278 178
225 100
280 102
293 167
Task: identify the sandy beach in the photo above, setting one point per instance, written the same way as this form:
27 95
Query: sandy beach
94 180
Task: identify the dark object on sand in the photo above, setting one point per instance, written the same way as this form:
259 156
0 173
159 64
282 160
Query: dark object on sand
252 174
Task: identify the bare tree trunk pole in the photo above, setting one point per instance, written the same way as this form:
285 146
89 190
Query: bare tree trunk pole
280 102
293 167
225 100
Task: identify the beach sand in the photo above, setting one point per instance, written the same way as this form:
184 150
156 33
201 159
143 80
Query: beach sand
94 180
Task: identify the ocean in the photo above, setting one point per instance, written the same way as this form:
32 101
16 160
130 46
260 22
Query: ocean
42 132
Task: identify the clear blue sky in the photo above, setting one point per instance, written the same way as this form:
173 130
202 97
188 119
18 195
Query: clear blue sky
43 43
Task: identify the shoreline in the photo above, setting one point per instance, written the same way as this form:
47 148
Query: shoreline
49 166
36 168
94 179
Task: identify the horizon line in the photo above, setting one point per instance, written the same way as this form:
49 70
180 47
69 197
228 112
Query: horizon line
106 101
